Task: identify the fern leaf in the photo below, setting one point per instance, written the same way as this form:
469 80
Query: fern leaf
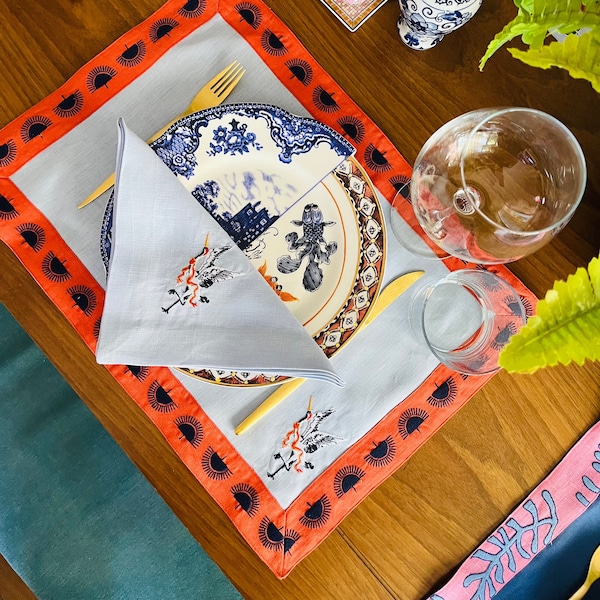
516 27
565 328
579 55
537 19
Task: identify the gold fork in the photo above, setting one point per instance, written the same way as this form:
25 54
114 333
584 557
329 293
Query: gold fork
213 93
593 574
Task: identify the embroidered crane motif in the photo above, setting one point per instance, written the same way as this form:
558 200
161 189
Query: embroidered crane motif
303 438
200 272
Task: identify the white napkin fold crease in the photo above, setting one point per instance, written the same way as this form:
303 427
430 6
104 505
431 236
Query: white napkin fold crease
180 292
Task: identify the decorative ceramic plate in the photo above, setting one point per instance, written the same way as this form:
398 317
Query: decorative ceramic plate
318 238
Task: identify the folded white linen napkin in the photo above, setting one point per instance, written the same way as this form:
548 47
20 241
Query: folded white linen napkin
181 293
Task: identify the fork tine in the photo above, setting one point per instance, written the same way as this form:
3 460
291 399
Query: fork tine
219 76
224 92
229 81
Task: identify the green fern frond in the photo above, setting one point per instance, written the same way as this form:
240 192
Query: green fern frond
538 19
565 328
579 55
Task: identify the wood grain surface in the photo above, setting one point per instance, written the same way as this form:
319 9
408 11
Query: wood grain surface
408 536
12 587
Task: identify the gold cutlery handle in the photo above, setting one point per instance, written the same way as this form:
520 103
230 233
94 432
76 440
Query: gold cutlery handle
592 575
581 592
284 390
212 94
110 180
392 291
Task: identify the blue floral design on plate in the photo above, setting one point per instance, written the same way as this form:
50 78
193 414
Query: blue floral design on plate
233 140
235 131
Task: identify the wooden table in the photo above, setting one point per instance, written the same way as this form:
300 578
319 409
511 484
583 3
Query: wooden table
406 538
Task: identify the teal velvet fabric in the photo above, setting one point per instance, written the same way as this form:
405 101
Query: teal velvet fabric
77 519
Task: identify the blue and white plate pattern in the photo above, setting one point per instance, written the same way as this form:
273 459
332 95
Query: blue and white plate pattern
306 217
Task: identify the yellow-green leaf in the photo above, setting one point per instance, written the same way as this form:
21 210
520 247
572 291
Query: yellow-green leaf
536 20
579 55
565 328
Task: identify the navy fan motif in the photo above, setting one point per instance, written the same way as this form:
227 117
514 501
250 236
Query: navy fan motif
324 101
200 272
54 268
162 28
246 498
376 160
96 328
33 235
69 106
34 127
301 70
317 513
272 44
410 421
526 305
159 398
383 453
272 538
8 153
214 465
312 245
289 539
503 335
250 13
270 535
352 128
133 55
140 373
488 280
99 77
304 438
513 306
444 394
192 9
401 184
84 298
346 480
191 429
7 210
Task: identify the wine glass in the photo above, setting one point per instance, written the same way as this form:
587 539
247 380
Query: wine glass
494 185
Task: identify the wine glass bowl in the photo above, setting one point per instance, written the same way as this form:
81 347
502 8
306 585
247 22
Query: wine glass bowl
494 185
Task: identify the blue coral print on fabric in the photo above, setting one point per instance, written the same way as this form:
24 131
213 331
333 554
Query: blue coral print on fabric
233 140
525 540
592 490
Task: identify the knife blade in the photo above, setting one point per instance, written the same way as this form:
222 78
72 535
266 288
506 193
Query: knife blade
390 293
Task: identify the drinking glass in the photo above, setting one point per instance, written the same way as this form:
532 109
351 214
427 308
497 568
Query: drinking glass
466 319
495 185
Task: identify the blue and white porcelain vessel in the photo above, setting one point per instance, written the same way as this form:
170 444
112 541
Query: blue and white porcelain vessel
424 23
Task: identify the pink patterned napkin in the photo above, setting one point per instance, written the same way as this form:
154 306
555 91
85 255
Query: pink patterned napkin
554 505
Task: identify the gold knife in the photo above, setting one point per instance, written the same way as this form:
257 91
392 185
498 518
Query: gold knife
391 292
